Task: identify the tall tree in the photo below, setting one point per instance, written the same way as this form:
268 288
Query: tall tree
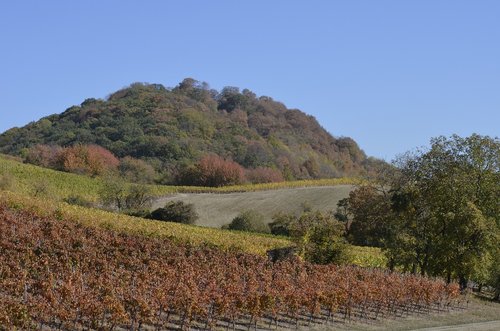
446 207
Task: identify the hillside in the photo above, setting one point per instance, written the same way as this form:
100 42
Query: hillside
58 185
216 210
171 128
19 188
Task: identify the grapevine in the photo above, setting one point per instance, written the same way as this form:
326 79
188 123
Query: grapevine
64 275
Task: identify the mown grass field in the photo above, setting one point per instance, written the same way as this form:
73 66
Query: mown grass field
216 210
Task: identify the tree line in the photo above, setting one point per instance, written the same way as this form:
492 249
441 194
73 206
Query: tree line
435 212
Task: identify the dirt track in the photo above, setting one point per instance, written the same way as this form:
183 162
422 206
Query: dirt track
481 326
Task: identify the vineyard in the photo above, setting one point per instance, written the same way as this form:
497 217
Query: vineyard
176 232
64 275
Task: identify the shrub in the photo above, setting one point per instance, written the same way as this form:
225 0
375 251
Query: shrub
176 211
116 194
318 236
78 201
212 171
87 159
7 182
136 170
41 188
138 197
250 221
43 155
264 175
280 226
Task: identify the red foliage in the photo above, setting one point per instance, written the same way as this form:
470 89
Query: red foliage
213 171
64 276
264 175
91 160
87 159
43 155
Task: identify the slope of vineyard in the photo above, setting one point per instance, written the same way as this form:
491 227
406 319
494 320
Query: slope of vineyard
181 233
63 275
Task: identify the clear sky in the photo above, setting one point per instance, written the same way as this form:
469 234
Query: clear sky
390 74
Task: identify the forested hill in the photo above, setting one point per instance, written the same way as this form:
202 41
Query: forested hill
170 128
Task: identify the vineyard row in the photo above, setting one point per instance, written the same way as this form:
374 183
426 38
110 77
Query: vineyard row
63 275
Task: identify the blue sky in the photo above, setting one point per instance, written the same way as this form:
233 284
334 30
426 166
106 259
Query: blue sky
390 74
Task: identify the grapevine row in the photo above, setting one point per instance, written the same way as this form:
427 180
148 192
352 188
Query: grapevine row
62 275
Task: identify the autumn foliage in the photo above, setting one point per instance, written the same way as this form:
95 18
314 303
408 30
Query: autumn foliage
264 175
213 171
91 160
43 155
65 276
87 159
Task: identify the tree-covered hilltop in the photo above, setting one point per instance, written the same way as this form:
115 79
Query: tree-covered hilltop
172 128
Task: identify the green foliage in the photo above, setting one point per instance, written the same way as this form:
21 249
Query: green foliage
494 273
175 211
448 202
365 215
136 171
280 226
318 236
249 220
441 216
170 129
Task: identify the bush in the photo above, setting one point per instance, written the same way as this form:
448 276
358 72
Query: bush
212 171
118 195
7 182
78 201
250 221
318 236
41 188
176 211
138 197
137 171
91 160
43 155
280 226
264 175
